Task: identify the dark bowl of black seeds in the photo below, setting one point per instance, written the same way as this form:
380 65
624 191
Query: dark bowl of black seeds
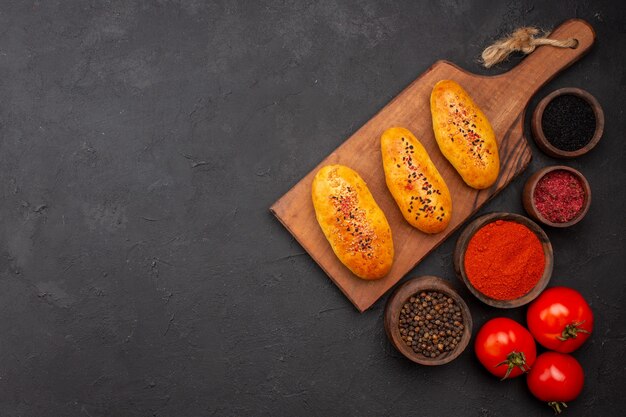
427 321
567 123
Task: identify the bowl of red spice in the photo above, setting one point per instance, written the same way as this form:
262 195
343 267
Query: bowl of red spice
567 123
557 196
427 321
504 259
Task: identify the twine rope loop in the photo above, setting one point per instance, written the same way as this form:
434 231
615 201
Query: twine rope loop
522 40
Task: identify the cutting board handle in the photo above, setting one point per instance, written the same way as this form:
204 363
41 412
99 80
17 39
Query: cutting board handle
546 61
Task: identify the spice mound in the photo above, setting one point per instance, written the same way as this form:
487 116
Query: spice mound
568 122
431 323
559 196
504 260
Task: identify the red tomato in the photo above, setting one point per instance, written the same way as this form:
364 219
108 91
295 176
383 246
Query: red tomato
505 348
556 378
560 319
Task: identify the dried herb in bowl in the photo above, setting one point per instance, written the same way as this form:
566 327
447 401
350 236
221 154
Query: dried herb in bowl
559 196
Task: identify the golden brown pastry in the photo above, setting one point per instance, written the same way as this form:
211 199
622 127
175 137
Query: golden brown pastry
414 182
354 225
464 135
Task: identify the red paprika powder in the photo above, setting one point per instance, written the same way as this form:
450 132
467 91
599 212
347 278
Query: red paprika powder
504 260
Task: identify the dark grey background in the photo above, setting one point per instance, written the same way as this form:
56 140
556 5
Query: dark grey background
142 143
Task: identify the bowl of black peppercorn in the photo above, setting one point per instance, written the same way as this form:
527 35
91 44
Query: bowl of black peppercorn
567 123
427 321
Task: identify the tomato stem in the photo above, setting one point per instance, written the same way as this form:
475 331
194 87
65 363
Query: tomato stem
556 406
571 331
514 359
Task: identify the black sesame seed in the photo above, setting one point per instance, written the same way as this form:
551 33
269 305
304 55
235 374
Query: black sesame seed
568 122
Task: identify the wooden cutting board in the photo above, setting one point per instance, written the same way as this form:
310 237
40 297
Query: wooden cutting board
503 98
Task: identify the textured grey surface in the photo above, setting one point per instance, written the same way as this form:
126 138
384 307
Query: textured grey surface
142 142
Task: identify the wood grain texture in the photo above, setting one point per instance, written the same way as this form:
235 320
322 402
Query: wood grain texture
503 98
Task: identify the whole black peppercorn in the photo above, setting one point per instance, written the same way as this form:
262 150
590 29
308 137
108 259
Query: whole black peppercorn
434 330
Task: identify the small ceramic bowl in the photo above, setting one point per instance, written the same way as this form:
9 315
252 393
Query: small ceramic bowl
540 138
400 297
477 224
529 192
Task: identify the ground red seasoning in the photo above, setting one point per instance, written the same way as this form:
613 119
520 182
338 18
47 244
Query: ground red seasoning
504 260
559 196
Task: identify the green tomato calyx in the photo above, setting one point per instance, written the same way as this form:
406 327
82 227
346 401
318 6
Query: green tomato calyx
514 359
571 331
557 406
